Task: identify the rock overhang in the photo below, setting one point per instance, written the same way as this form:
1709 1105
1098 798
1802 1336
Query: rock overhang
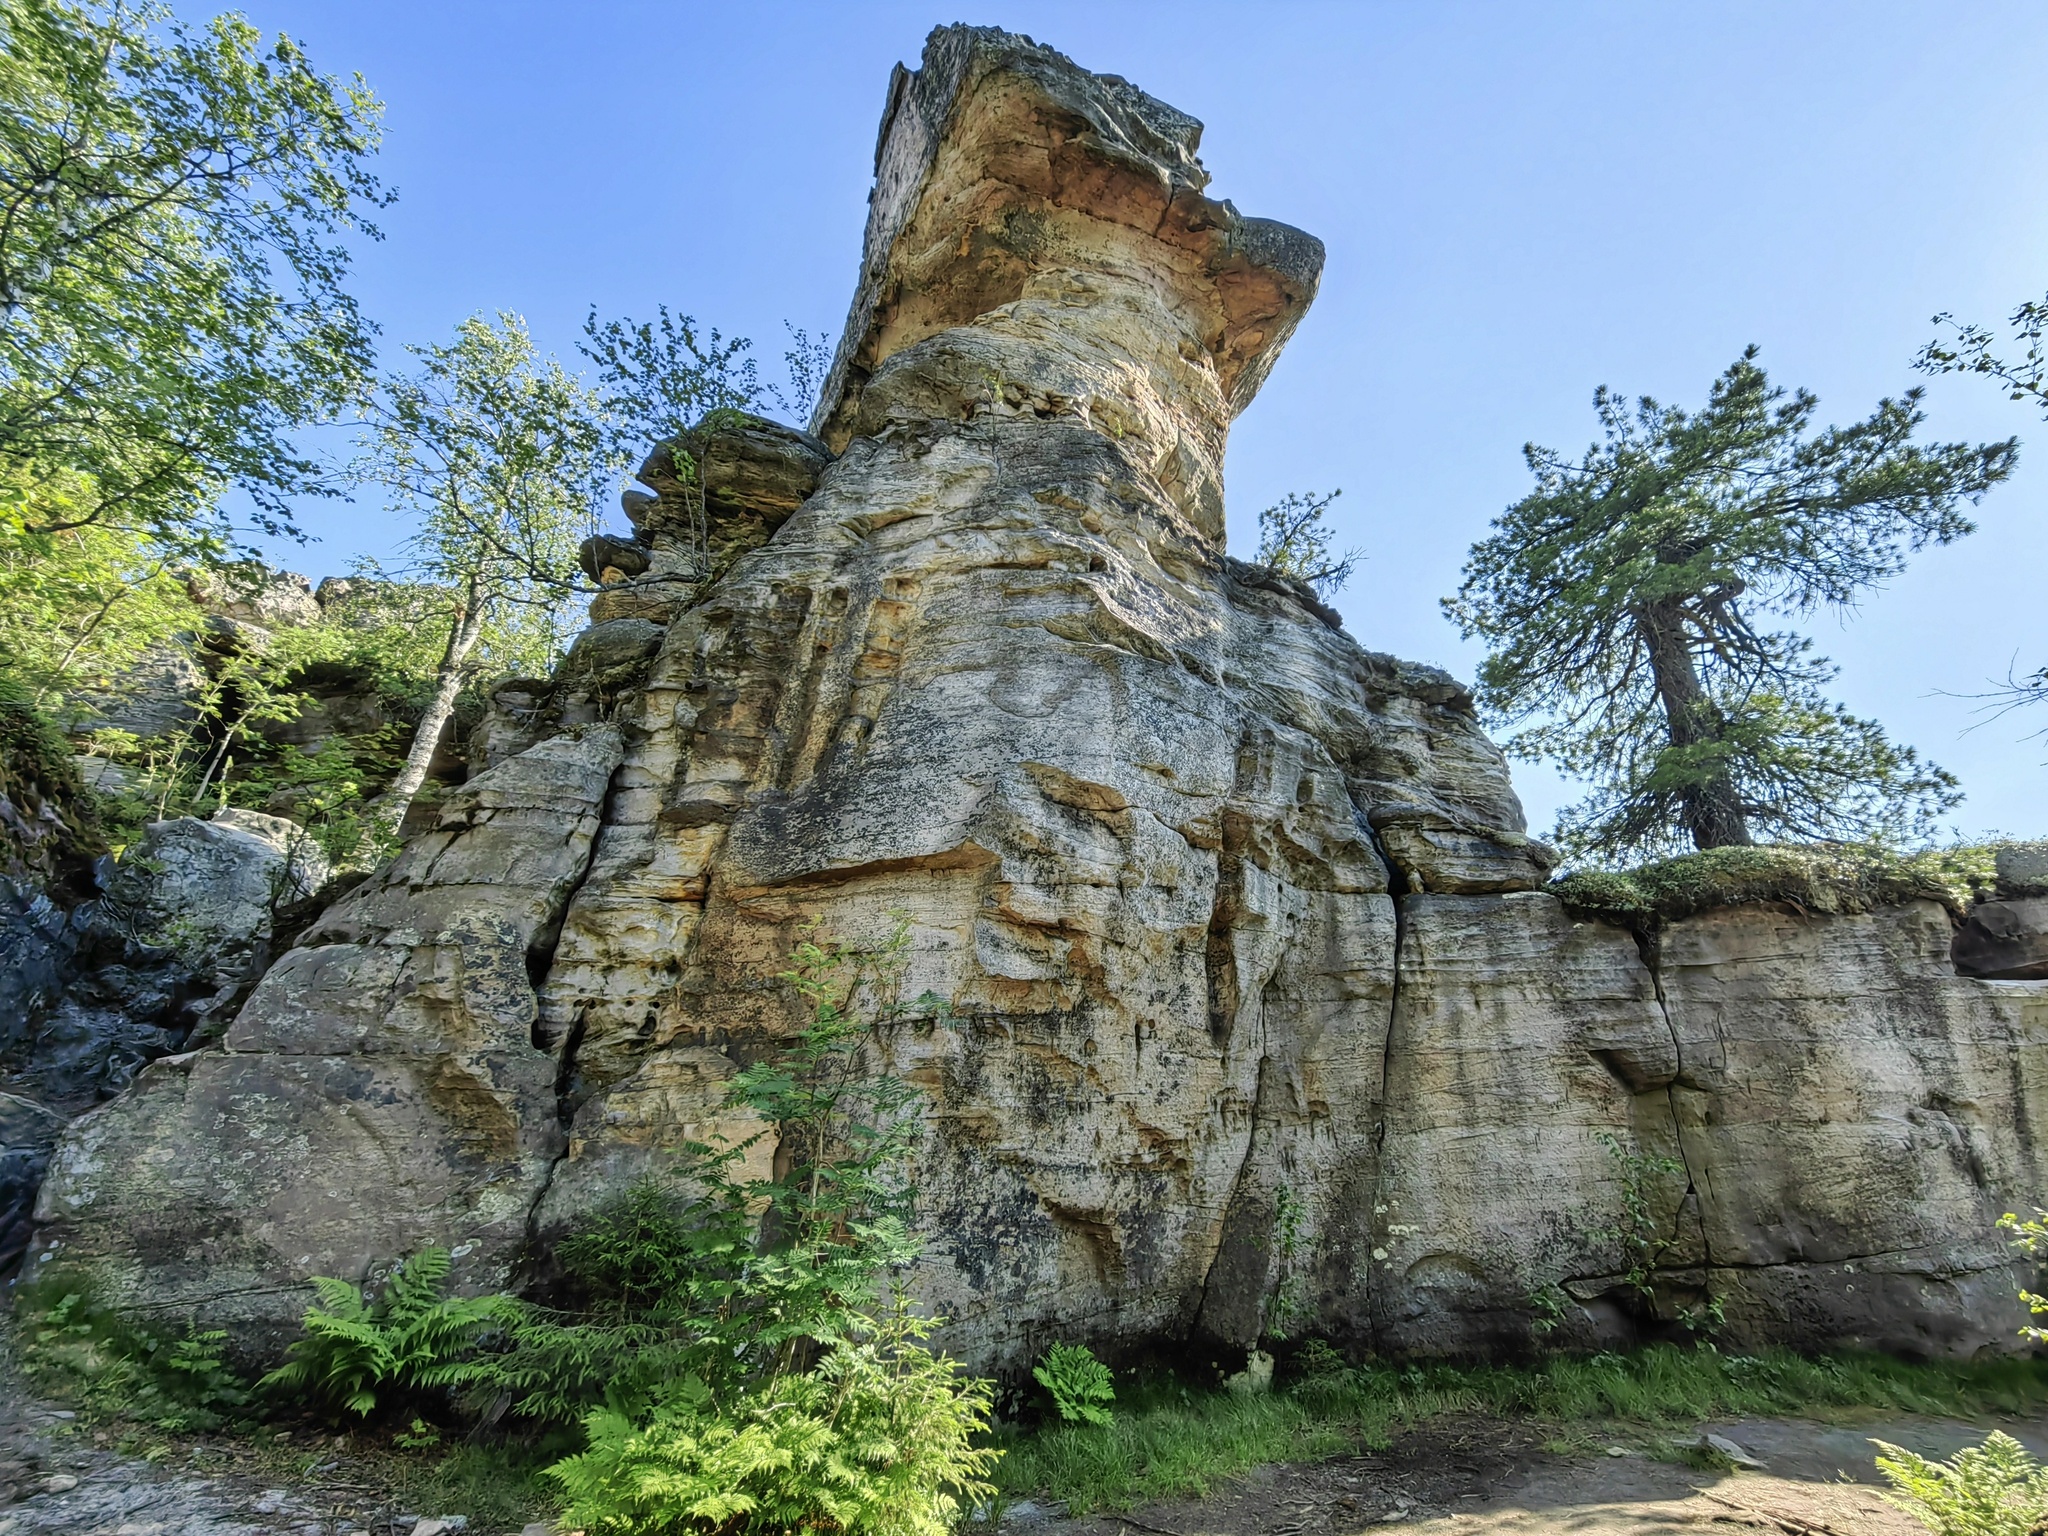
1000 160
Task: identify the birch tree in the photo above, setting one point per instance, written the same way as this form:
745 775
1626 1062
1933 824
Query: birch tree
499 456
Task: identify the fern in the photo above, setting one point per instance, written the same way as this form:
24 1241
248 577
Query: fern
1993 1489
1079 1383
412 1339
877 1440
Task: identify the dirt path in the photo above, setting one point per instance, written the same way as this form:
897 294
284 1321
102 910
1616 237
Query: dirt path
1460 1477
1484 1477
57 1478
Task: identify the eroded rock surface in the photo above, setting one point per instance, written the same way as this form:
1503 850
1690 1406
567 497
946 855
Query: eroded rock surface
1261 1019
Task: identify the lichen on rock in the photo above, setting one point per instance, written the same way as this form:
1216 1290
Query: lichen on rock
1240 923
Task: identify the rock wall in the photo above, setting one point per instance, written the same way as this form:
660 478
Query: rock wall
1261 1016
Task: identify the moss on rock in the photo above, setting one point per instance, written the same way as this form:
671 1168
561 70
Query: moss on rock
49 831
1821 877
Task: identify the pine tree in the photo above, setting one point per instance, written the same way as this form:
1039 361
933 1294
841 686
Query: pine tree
1623 599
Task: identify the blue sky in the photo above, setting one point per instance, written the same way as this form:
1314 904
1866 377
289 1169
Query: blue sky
1520 202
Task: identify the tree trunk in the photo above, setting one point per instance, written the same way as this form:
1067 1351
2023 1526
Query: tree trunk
1710 810
462 637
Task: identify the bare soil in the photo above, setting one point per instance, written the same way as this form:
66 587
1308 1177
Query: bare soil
1465 1476
1477 1476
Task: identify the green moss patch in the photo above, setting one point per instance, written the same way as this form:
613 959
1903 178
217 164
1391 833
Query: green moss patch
1819 877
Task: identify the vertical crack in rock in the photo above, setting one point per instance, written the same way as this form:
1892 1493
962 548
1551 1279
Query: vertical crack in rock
565 1068
990 663
1230 1236
1220 951
1379 1169
1649 947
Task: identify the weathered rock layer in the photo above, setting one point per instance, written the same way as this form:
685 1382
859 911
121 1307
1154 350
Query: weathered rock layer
1260 1016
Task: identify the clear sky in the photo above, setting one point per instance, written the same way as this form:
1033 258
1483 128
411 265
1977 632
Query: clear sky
1520 202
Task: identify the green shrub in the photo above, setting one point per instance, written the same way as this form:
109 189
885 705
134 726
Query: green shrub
752 1379
84 1352
1079 1383
1993 1489
2032 1240
357 1354
876 1440
651 1269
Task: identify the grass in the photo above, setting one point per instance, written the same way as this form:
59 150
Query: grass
498 1486
1169 1440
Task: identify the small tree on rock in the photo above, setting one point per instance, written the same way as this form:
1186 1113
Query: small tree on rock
1621 598
1294 542
500 456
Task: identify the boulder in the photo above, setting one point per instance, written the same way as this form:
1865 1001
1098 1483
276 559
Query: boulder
383 1083
656 599
2022 869
2004 940
210 889
518 717
751 464
610 656
252 593
601 553
153 697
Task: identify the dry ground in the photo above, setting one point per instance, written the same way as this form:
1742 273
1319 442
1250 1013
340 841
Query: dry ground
1485 1477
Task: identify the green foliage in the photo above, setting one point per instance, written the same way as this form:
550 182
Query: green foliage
499 456
1825 877
1171 1440
1993 1489
358 1354
879 1437
173 203
751 1376
1971 351
1637 1231
1079 1383
79 605
668 381
729 1352
1621 596
1294 542
677 1279
1548 1307
81 1351
1288 1305
658 379
2031 1239
57 827
374 639
651 1268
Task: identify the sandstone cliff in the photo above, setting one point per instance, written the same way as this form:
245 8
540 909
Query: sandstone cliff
1262 1016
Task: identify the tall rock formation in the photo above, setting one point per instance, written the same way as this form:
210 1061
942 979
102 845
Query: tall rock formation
1260 1016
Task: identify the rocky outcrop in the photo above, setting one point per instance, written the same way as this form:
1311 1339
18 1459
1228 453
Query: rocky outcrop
1260 1016
159 955
2007 939
382 1085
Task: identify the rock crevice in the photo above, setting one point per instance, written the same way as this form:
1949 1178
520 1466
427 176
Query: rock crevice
1259 1005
